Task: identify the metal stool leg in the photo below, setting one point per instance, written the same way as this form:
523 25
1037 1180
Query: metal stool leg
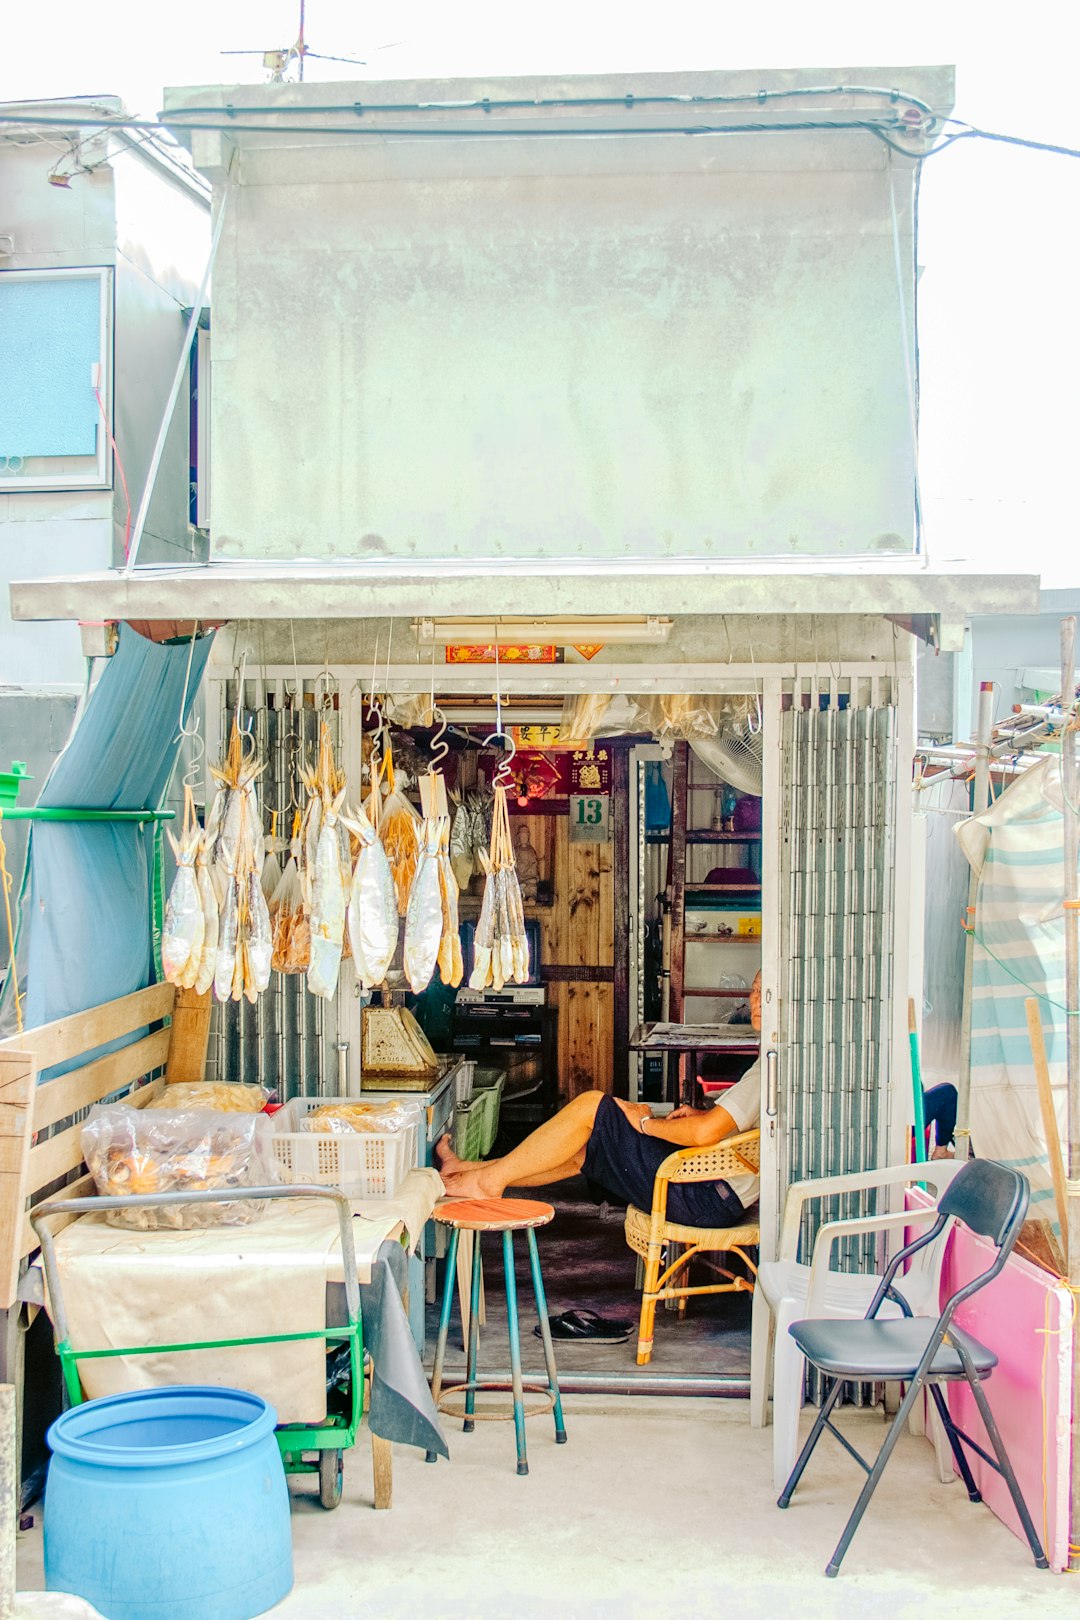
474 1336
515 1350
545 1335
444 1325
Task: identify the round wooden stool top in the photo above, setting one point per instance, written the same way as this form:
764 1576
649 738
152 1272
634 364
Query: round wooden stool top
493 1214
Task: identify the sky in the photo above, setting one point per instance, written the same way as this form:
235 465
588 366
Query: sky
1000 227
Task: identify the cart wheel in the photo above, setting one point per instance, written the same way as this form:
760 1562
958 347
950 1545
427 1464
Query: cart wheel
331 1475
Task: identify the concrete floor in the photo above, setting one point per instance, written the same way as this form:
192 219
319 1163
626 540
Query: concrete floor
655 1508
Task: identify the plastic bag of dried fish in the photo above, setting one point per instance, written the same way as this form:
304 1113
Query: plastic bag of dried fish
131 1151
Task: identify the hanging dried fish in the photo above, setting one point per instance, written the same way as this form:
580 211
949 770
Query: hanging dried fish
424 917
184 931
451 966
208 899
373 914
501 949
328 900
399 830
288 919
234 851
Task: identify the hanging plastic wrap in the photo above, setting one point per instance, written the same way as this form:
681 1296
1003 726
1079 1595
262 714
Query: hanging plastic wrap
373 914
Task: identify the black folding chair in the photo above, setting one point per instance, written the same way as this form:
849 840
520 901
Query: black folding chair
921 1352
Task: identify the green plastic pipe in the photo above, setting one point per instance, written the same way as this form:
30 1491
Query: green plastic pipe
916 1083
63 813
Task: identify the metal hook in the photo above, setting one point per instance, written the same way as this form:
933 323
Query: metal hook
439 749
504 740
191 778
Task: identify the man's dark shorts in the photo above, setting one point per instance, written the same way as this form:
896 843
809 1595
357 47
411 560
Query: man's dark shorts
621 1166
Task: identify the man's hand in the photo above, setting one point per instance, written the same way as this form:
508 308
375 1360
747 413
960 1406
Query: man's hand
684 1111
635 1112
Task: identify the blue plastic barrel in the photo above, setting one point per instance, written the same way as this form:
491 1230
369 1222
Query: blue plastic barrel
169 1504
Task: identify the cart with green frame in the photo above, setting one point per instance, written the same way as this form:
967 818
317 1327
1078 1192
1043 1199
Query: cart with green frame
305 1448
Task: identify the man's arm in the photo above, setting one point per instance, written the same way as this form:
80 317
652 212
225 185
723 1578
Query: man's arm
696 1127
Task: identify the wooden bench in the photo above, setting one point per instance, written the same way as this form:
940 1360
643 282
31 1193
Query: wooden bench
41 1132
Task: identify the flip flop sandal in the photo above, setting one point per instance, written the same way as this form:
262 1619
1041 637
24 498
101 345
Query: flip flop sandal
585 1327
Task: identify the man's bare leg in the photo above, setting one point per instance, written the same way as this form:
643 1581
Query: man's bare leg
553 1152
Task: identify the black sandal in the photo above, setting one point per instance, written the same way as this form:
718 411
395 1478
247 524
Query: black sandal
586 1327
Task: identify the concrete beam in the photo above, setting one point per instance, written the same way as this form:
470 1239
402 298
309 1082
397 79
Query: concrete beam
224 590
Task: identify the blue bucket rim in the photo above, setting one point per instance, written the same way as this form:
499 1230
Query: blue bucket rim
65 1439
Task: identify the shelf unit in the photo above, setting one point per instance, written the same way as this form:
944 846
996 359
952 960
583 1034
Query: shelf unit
687 888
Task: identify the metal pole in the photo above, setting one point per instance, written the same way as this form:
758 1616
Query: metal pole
1071 842
980 798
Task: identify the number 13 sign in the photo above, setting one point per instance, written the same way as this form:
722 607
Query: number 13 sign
590 821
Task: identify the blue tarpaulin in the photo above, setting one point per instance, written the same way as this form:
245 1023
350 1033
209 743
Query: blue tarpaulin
89 916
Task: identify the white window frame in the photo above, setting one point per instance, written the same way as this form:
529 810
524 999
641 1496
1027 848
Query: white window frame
98 473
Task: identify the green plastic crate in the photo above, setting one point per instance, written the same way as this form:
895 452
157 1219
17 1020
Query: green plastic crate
476 1123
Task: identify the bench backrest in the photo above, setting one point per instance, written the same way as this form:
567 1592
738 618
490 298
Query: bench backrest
41 1125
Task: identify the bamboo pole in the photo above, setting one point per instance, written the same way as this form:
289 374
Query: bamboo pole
1049 1118
979 801
1071 840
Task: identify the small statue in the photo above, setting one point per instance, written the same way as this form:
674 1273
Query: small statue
528 863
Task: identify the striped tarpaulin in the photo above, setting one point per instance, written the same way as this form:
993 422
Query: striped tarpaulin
1017 848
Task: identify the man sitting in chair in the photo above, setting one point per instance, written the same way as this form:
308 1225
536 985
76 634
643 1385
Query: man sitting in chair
620 1146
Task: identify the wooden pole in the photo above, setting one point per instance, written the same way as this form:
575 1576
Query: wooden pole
1071 840
1049 1118
190 1037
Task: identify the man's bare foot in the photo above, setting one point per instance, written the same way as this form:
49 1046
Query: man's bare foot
447 1162
943 1152
474 1182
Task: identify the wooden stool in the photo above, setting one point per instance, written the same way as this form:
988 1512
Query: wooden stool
505 1215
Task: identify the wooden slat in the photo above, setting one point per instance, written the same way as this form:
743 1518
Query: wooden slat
190 1036
59 1099
81 1032
586 1018
62 1153
17 1073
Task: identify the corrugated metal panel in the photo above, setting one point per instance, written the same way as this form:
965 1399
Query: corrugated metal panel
286 1040
838 816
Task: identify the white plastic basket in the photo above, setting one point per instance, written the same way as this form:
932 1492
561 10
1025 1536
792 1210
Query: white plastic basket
463 1081
362 1163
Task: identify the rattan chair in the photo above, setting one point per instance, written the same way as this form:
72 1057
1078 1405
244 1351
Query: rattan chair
649 1235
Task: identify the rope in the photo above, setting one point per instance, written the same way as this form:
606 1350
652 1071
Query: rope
6 884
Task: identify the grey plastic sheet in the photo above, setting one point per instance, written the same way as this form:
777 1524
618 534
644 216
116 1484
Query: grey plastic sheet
401 1407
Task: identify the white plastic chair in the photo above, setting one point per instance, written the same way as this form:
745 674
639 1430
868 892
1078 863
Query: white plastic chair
788 1291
